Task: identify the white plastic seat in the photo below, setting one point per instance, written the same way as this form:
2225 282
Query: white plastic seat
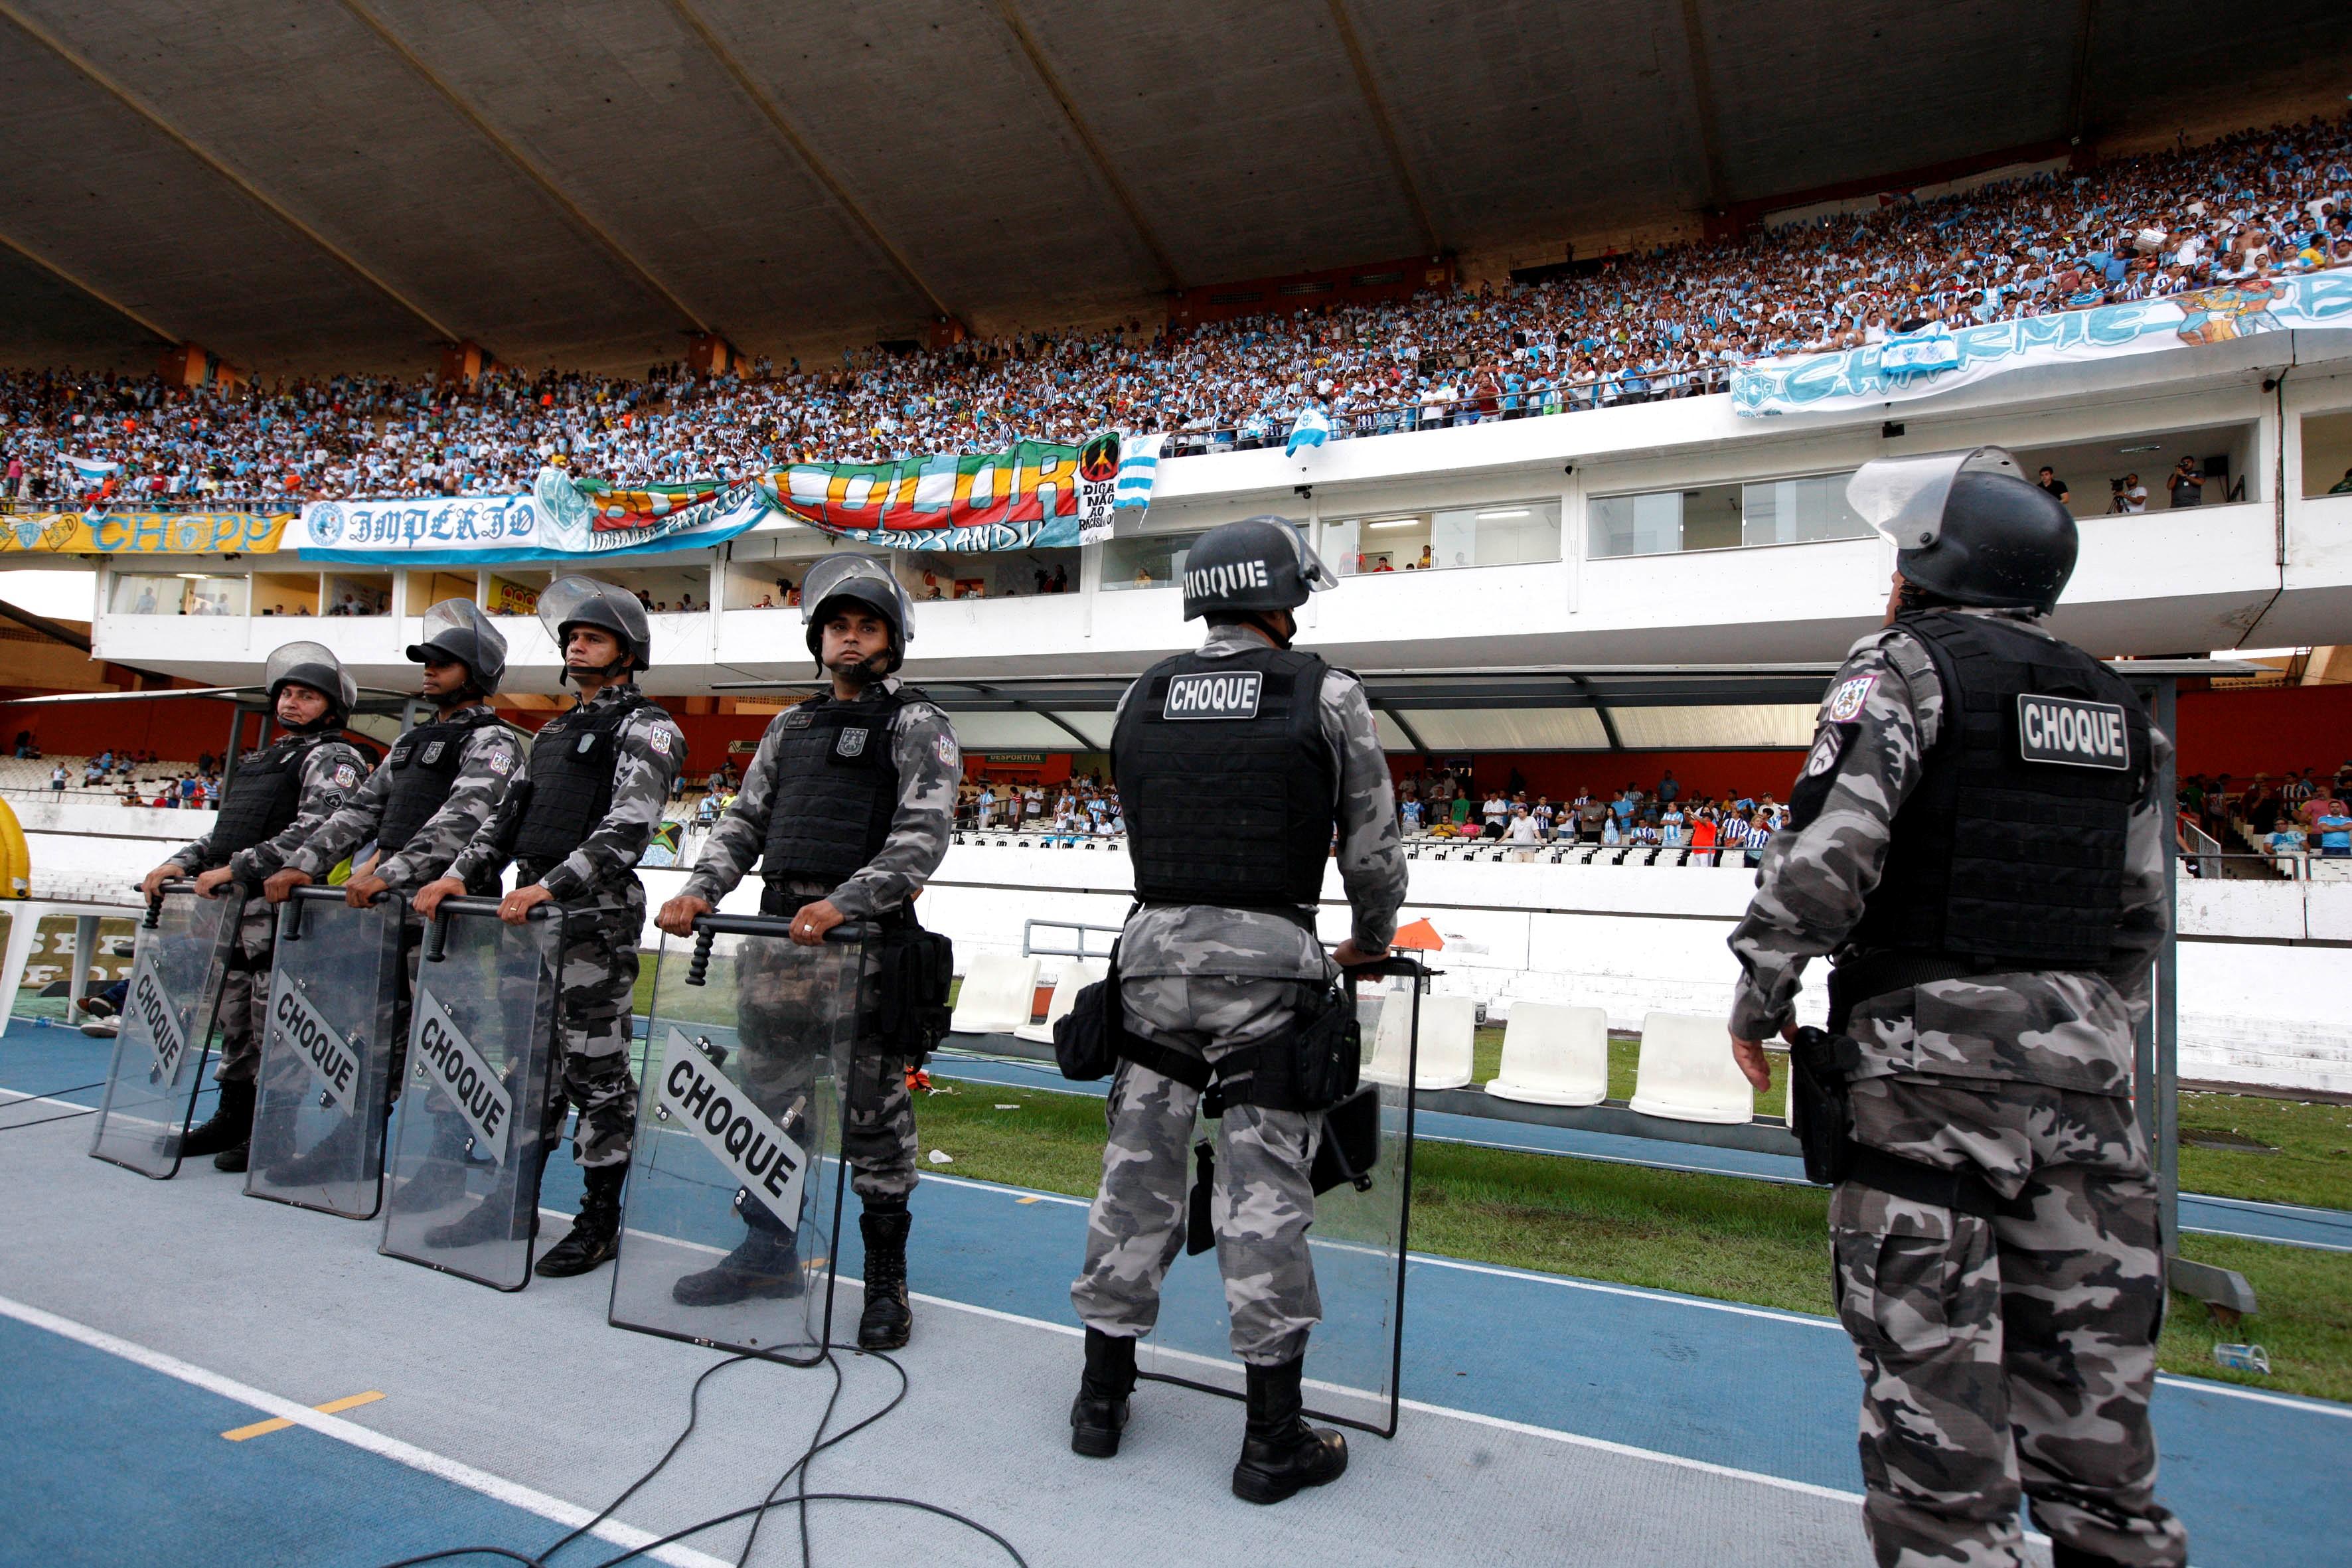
1554 1056
1448 1027
1077 973
1687 1074
998 990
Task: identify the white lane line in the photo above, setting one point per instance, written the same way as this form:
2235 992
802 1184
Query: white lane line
2266 1240
497 1488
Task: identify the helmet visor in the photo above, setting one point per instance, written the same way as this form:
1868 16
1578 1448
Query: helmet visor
863 578
617 610
1902 498
313 665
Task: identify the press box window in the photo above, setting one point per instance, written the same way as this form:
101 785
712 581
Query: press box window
1146 561
1501 533
1798 510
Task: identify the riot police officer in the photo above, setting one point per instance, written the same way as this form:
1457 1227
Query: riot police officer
1976 843
275 798
598 775
848 807
432 794
1222 957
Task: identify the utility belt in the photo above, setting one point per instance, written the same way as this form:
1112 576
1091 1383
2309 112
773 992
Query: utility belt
1314 1067
908 1009
1300 915
1870 975
1821 1067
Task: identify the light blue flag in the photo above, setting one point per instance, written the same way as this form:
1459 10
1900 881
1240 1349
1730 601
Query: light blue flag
1138 471
92 470
1311 428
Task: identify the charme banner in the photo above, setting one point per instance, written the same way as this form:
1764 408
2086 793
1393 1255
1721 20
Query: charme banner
142 532
1037 495
1920 364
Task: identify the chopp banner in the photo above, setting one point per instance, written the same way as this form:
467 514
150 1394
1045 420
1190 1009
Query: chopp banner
1037 494
1922 363
142 533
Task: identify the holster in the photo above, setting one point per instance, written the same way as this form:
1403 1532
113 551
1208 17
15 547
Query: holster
1820 1113
1089 1038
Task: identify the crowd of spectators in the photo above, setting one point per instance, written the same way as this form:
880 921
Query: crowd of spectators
2257 205
1442 804
2289 817
1082 806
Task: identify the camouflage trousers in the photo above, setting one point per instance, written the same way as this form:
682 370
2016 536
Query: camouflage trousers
2007 1356
1264 1202
245 994
592 1028
790 1007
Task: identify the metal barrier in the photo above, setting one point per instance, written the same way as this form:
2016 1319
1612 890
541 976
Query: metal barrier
1029 948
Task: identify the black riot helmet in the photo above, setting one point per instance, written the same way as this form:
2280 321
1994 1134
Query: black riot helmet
315 665
860 579
1257 564
1968 526
572 602
457 631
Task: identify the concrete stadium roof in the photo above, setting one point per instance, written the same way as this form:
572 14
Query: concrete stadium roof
352 183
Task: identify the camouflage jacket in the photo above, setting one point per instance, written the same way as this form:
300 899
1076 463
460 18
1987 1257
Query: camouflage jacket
491 759
931 767
1201 939
330 773
650 749
2067 1030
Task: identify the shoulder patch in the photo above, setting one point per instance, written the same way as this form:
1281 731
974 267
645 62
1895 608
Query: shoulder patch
658 737
948 755
502 760
1846 701
1825 753
346 776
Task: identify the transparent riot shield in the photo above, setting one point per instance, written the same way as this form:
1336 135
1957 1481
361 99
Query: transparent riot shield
734 1196
326 1054
474 1131
176 969
1357 1244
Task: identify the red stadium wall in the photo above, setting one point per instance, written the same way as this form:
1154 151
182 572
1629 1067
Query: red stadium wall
2266 732
178 731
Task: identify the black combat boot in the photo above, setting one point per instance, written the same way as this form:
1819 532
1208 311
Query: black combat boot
332 1159
765 1263
595 1235
1099 1412
886 1321
440 1181
496 1219
230 1125
1280 1452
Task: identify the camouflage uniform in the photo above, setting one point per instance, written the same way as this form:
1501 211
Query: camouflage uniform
489 760
879 1133
332 772
1205 981
2003 1355
600 954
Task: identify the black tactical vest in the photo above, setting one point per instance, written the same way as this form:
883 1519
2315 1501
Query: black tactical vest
423 765
1226 781
2009 851
573 760
836 787
265 790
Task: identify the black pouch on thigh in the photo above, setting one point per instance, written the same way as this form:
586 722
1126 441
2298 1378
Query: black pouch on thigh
1351 1143
1089 1038
914 969
1819 1112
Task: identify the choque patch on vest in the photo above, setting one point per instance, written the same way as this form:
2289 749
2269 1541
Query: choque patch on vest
1213 695
2073 733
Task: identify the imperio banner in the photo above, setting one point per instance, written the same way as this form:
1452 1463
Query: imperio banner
1037 495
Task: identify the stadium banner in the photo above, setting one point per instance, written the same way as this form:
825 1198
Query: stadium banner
1920 364
1037 495
142 533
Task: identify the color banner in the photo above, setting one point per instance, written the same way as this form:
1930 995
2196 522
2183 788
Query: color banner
142 532
1920 365
1038 495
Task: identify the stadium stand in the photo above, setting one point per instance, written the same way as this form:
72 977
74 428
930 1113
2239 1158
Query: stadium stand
2259 204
